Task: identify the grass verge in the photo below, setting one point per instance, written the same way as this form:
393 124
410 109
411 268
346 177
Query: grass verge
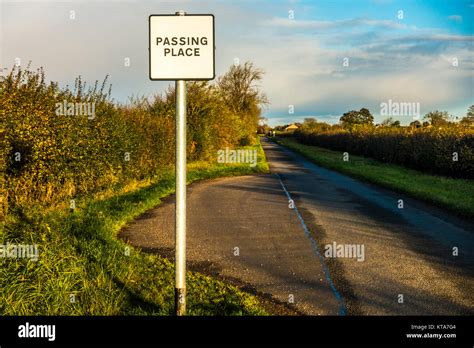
83 269
456 195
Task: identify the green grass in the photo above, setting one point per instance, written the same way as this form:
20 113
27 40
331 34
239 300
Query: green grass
80 255
456 195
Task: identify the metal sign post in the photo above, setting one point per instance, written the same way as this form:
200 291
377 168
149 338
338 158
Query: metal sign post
181 48
180 224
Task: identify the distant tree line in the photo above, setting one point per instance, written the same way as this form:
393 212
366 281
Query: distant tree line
432 118
353 119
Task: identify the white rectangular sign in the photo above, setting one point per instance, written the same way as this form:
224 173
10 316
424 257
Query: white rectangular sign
181 47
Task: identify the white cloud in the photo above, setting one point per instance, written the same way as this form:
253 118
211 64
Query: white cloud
455 18
442 37
347 23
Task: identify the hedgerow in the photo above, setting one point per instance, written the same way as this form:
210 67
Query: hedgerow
447 151
46 156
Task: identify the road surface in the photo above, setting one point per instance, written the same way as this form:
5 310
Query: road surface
271 233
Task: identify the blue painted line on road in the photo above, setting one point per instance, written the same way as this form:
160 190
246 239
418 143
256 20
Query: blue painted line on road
342 306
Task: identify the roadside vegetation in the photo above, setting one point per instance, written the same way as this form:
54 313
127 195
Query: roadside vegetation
439 147
69 183
433 162
83 269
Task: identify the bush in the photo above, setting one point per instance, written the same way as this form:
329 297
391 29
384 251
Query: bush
428 149
47 157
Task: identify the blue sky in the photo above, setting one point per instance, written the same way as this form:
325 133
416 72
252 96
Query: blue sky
407 59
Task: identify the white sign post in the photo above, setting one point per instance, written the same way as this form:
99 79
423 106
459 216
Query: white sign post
181 47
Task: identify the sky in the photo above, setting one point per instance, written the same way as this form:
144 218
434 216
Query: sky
320 58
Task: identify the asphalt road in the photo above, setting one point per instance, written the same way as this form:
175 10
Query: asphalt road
248 231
